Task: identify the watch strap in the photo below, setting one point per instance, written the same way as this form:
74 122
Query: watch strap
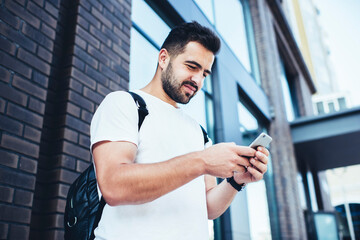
235 185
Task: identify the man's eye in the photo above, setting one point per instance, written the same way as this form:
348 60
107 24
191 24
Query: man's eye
191 67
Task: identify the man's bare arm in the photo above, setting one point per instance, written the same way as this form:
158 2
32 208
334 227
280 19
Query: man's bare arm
122 181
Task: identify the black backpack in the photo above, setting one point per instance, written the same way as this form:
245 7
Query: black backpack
83 209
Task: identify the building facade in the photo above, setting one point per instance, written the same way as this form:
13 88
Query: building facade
59 59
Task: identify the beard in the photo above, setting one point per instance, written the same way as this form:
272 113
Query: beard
172 86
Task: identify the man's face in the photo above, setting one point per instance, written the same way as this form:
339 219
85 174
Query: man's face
185 73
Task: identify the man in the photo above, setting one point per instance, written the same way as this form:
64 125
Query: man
159 182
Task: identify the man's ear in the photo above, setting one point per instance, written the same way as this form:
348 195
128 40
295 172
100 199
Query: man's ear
164 58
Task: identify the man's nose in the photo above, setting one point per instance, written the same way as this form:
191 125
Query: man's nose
198 78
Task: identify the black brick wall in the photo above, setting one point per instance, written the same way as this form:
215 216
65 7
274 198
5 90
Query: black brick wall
58 59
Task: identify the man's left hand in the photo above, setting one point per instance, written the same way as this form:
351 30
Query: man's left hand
256 170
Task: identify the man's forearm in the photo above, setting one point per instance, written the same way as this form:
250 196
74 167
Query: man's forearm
141 183
219 199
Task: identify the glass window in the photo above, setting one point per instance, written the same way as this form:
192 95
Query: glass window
147 34
320 107
143 60
149 22
331 106
206 7
342 103
256 198
289 104
230 22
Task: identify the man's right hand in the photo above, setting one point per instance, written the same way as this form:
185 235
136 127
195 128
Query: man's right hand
223 159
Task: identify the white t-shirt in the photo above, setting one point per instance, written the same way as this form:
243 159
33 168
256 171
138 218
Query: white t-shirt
166 132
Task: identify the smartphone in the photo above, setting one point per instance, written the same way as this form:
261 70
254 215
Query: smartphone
262 140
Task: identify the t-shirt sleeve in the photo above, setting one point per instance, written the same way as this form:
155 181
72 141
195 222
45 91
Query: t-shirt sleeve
116 119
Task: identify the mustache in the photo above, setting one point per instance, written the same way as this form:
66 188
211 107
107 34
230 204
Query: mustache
194 85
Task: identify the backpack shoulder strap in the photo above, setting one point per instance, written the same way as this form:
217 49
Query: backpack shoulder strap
142 112
141 105
205 135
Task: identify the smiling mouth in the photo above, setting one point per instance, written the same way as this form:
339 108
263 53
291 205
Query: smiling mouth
191 86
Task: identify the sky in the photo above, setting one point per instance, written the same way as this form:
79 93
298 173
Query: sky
341 22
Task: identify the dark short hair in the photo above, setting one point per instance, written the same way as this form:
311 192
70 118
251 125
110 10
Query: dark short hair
187 32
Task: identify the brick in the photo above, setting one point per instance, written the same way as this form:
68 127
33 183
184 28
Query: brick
88 37
98 76
4 229
39 2
67 176
2 105
70 135
111 35
101 17
81 101
37 36
20 145
86 15
44 54
19 232
86 57
16 179
73 109
29 87
15 65
80 42
9 18
22 2
98 55
10 125
116 86
17 37
92 95
83 23
81 166
87 116
84 141
13 95
51 9
6 194
112 74
125 47
5 75
76 62
97 4
7 46
103 90
34 61
75 85
28 165
25 115
22 13
48 31
40 13
115 21
118 49
120 33
100 36
109 53
32 134
108 6
37 106
119 70
77 124
83 78
40 79
23 198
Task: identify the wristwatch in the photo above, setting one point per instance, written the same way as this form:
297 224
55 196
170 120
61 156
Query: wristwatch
235 185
